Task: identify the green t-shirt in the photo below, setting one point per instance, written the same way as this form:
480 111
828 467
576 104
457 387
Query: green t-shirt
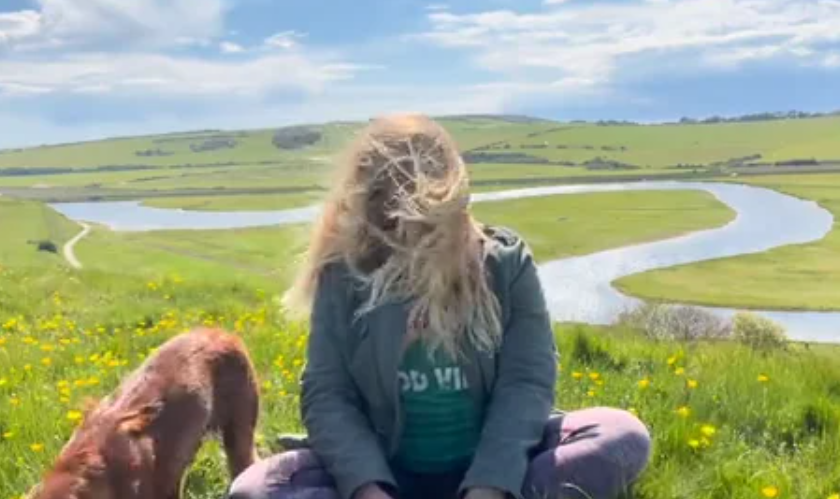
442 423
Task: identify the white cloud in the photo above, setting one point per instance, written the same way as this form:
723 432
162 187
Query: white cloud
285 40
437 7
160 75
832 60
20 25
231 48
586 44
81 23
555 2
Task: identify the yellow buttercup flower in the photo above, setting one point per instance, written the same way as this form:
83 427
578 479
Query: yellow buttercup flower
590 393
74 415
694 443
691 384
8 435
577 375
683 411
770 491
834 496
763 378
708 430
672 360
644 383
679 371
37 447
594 375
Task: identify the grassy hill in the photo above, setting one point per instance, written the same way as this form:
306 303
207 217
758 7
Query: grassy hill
663 146
66 336
499 150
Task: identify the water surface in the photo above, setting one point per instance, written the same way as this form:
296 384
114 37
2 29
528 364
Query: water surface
580 288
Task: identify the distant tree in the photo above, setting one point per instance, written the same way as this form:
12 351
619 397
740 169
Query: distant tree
295 137
47 246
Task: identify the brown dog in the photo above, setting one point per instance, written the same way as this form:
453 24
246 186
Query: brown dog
137 443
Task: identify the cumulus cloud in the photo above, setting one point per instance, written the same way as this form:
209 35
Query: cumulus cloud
67 47
84 23
19 25
587 43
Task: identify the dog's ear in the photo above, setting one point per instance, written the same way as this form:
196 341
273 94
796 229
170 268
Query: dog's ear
137 421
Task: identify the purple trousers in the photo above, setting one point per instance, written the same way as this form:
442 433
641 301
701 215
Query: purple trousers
588 454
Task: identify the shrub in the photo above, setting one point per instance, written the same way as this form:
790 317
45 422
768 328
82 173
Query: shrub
673 322
758 332
295 137
47 246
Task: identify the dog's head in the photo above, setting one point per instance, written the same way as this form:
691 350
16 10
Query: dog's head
109 457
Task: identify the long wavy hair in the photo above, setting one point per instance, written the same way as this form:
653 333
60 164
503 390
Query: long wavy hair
398 217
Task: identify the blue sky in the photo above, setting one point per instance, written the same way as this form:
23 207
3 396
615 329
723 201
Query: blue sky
81 69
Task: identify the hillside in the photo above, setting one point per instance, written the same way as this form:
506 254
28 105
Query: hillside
499 150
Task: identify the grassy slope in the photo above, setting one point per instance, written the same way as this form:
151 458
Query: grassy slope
792 277
22 223
66 336
252 146
561 226
259 164
555 227
669 145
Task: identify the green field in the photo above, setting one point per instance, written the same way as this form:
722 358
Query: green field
579 224
792 277
213 162
659 146
69 335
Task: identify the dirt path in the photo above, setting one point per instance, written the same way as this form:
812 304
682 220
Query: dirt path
69 253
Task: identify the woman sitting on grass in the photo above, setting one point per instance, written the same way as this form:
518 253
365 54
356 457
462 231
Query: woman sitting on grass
431 362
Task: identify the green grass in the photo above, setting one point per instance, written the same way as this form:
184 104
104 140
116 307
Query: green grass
254 162
23 224
252 146
66 336
577 224
668 145
792 277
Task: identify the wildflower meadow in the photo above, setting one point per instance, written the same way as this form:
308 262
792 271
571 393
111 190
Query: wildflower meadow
727 420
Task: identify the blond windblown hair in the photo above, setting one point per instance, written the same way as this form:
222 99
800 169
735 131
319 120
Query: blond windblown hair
398 216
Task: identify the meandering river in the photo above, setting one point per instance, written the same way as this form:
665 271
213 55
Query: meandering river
580 288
